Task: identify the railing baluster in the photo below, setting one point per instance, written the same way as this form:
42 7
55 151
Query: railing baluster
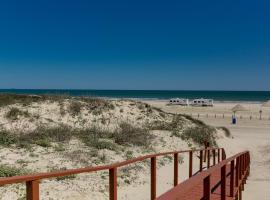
201 161
218 155
206 188
153 178
175 169
232 179
214 156
223 154
237 173
223 183
190 164
113 183
32 190
208 158
240 193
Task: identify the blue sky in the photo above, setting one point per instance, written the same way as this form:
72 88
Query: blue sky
135 44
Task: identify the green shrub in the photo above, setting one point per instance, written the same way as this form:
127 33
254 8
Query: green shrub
44 136
60 178
176 123
43 142
9 99
97 138
14 113
129 154
75 108
98 105
200 134
105 144
7 139
59 147
129 134
9 171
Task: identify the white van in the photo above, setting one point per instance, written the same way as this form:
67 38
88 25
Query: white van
203 102
178 101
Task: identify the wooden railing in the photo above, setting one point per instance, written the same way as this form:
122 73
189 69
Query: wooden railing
225 184
32 181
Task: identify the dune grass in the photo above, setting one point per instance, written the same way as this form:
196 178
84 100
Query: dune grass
9 171
226 131
15 113
94 137
200 134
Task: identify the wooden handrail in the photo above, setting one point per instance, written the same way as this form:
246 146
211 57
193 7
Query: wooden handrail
32 181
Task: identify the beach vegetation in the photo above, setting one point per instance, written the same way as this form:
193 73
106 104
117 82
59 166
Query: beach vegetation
59 147
195 121
7 139
176 123
9 171
226 131
61 178
15 113
75 108
128 134
200 134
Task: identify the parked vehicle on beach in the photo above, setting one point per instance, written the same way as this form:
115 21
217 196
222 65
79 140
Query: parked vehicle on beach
202 102
178 101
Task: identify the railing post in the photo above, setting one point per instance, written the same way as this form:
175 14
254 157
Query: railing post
223 154
32 190
223 183
240 193
208 158
175 169
237 173
214 157
153 178
205 155
206 188
201 161
232 179
218 155
190 163
113 183
241 167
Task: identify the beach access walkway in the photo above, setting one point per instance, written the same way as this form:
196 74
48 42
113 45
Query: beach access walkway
217 178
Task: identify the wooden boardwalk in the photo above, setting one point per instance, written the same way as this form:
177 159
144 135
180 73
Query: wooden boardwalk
214 183
189 190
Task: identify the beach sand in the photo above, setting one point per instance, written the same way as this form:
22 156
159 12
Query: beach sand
248 134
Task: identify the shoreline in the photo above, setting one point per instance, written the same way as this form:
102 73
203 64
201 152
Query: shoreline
151 95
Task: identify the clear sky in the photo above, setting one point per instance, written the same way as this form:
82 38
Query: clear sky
135 44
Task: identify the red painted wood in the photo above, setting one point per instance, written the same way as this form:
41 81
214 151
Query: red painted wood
32 190
232 178
190 164
207 188
201 161
153 178
175 179
113 183
208 158
223 183
194 188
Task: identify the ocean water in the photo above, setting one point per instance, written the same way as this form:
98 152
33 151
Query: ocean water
250 96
